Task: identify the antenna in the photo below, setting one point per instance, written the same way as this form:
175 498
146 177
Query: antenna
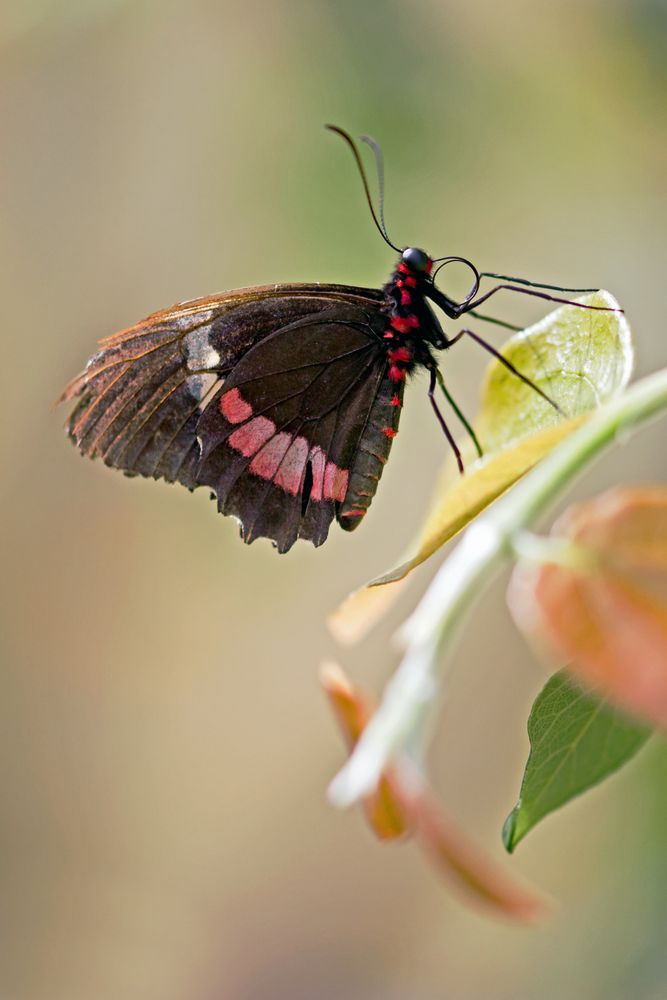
379 166
378 156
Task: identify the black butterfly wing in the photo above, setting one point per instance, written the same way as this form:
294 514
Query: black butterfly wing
298 434
140 397
149 401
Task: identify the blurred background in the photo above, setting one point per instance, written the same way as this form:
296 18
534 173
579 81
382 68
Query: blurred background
163 826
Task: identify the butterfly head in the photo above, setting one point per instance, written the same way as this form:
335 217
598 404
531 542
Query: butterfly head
417 260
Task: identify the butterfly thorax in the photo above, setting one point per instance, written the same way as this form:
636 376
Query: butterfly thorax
409 321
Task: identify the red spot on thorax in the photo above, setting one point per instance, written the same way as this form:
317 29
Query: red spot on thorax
409 279
395 373
406 298
400 354
405 323
429 266
395 401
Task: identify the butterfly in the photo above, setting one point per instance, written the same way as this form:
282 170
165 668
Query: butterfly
283 399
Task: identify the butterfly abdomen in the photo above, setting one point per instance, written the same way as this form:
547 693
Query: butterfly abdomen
372 453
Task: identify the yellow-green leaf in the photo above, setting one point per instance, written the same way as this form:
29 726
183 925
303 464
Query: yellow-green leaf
581 358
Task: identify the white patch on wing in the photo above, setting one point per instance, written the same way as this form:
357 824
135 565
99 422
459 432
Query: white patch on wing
199 353
200 385
186 320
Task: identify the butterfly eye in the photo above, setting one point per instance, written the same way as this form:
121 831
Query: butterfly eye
416 259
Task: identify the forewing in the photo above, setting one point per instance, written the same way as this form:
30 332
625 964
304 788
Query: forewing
141 396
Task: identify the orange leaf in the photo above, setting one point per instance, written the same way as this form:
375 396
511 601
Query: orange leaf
404 804
383 809
361 610
607 616
629 525
469 871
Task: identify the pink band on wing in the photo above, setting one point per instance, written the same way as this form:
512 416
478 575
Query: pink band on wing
335 482
266 462
250 438
289 475
234 407
318 461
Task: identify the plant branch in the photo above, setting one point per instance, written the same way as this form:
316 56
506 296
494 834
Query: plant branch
406 714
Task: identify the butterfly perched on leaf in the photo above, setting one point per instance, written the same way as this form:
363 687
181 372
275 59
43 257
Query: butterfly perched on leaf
282 399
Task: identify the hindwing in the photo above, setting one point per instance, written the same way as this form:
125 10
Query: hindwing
271 396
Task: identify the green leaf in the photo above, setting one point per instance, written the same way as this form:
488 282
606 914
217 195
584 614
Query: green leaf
581 358
576 740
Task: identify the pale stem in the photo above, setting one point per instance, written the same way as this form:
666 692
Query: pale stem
406 714
555 551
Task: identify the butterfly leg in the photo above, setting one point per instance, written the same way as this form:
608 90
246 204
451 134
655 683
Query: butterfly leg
441 421
457 411
454 309
474 303
496 322
508 364
534 284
